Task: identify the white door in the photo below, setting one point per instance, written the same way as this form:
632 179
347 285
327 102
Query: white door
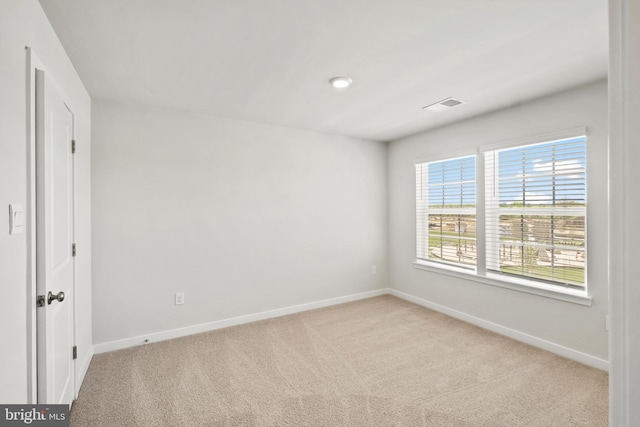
54 244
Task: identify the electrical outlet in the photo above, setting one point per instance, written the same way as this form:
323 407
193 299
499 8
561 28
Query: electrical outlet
374 270
179 298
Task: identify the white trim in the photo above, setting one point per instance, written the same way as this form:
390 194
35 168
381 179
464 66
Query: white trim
624 235
531 287
82 371
446 156
511 333
233 321
481 216
33 62
539 139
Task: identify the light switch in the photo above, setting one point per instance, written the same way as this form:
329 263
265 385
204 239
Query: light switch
16 219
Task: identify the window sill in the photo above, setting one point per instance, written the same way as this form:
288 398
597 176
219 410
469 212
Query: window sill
549 291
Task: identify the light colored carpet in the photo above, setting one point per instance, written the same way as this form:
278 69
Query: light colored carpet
376 362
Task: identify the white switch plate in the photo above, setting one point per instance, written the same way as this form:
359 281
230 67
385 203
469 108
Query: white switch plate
179 298
16 219
374 270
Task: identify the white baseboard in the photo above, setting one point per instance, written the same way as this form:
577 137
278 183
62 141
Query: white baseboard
225 323
511 333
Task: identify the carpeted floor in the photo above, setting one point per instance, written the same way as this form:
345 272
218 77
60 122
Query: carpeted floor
376 362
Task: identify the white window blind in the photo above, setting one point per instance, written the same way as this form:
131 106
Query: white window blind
446 211
535 200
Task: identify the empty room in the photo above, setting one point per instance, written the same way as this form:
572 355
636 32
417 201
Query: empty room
323 213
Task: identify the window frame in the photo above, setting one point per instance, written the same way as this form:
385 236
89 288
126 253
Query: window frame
425 195
480 273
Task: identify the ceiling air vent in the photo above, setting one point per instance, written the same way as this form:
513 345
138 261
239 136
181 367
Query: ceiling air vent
445 104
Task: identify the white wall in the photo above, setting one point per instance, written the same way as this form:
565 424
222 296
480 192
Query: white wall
23 23
241 217
577 327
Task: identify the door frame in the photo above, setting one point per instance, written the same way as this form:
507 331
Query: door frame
33 63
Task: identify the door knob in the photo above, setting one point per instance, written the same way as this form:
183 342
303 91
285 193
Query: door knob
52 297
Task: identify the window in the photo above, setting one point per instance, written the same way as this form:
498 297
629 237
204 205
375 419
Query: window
532 219
446 211
535 211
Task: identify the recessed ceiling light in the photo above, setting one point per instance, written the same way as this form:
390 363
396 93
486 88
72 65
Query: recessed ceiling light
445 104
340 82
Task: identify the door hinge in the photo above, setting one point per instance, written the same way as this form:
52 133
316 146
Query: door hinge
73 249
40 299
75 352
73 146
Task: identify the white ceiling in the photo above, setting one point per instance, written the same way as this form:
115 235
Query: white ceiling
269 61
